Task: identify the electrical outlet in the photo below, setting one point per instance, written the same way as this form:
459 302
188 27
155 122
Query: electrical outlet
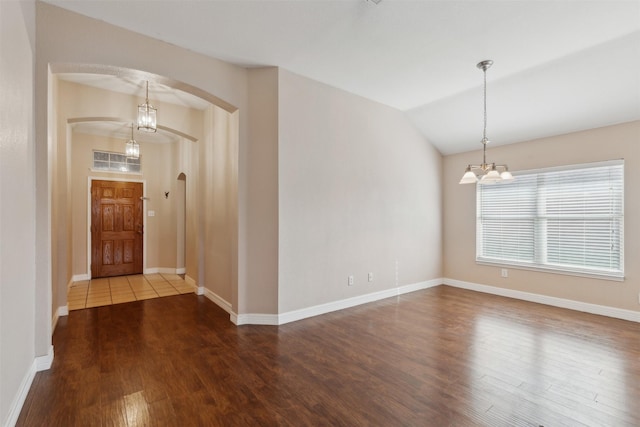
350 280
505 272
370 277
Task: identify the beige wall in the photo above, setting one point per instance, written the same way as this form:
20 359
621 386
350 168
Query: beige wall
217 203
359 189
606 143
262 165
17 205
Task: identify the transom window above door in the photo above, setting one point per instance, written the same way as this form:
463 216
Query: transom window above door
105 161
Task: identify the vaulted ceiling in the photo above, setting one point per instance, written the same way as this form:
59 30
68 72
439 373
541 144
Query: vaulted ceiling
559 66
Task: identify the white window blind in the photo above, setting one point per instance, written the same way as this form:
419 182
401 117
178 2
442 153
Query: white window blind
569 220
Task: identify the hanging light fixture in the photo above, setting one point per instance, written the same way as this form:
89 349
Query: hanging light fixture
147 115
488 172
132 148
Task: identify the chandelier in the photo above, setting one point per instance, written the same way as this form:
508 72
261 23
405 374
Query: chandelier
147 115
489 173
132 148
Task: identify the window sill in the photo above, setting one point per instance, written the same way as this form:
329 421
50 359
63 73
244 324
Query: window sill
552 270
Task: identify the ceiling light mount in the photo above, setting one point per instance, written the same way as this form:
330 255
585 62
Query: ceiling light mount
487 172
147 115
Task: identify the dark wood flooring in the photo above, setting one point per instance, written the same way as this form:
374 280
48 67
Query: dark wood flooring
438 357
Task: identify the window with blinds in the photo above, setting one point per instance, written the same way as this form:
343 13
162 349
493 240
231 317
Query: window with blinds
567 220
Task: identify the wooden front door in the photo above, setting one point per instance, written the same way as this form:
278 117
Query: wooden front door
116 228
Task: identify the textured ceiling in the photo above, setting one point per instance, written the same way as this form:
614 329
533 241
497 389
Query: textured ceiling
560 66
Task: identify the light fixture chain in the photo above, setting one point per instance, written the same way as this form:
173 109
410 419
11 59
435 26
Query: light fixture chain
484 131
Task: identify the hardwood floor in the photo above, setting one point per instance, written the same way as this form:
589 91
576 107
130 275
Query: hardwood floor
438 357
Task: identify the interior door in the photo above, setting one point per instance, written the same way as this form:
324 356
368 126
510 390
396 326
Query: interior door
116 228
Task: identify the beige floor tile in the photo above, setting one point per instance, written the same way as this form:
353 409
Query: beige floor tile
162 286
75 305
76 299
168 292
116 290
145 292
123 298
177 283
143 289
79 285
99 297
98 303
100 294
122 292
146 296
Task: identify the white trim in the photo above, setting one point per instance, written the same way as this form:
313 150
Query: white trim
42 363
292 316
217 299
21 396
254 319
80 277
618 313
161 270
181 270
61 311
200 290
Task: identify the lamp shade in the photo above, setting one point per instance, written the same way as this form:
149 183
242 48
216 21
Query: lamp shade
506 176
492 177
469 178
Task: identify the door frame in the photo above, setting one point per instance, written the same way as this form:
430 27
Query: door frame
90 180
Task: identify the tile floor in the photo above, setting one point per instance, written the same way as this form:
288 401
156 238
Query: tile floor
117 290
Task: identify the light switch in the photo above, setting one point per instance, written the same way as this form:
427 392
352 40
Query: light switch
151 213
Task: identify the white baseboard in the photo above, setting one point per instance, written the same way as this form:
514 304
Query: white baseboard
21 396
254 319
181 270
292 316
80 277
217 299
618 313
162 270
41 363
61 311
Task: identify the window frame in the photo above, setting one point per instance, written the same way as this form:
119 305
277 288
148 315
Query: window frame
109 162
539 260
